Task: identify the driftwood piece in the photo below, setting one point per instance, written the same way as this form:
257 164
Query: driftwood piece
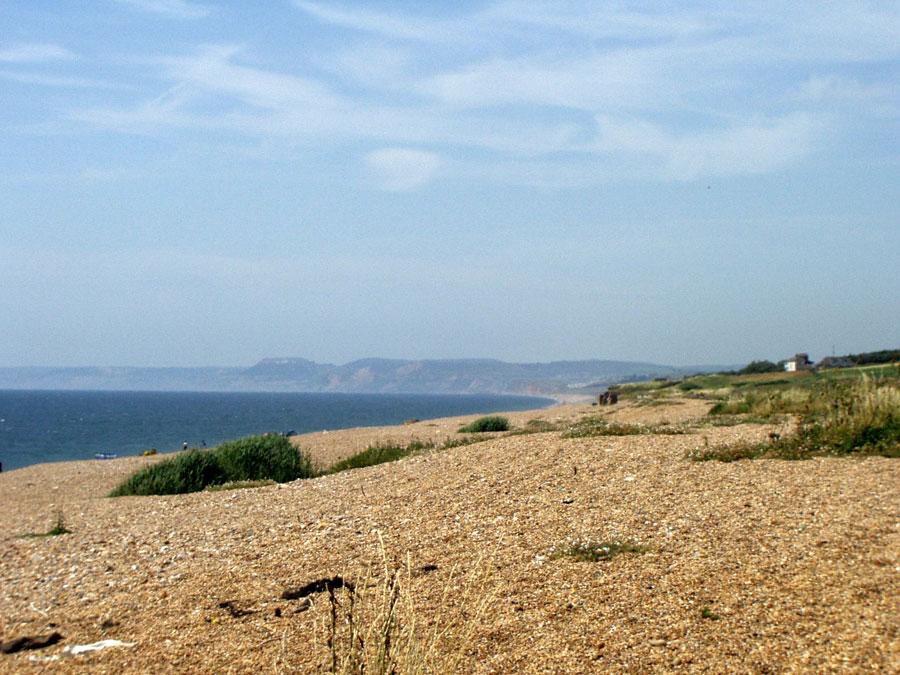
30 642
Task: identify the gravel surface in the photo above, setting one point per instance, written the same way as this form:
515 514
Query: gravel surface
753 566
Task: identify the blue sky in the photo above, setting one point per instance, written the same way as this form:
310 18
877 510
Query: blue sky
186 183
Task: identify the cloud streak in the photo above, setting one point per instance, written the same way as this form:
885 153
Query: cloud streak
402 169
172 9
662 95
34 52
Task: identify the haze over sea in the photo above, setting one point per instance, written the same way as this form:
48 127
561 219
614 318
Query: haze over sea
54 426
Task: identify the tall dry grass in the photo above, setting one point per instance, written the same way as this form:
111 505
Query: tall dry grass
862 417
378 626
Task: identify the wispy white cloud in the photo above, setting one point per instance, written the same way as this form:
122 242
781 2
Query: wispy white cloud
174 9
750 147
619 78
839 89
402 169
213 71
163 112
671 92
393 25
34 52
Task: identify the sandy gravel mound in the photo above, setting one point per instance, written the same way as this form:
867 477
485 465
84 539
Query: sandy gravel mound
762 566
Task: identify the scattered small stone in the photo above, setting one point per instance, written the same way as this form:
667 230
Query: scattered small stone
424 569
656 643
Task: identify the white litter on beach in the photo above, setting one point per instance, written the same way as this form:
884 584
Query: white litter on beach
74 650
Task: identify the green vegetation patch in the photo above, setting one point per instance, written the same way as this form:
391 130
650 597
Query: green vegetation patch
58 529
594 551
536 426
760 367
484 424
597 426
391 452
379 454
253 458
842 418
239 485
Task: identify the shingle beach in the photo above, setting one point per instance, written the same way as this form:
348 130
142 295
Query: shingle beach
761 566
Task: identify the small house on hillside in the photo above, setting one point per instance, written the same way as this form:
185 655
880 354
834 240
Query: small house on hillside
799 362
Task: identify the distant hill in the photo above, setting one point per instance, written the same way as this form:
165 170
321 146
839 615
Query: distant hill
430 376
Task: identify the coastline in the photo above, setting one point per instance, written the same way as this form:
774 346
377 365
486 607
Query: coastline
796 559
53 426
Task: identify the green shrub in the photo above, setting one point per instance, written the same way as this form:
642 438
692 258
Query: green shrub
491 423
262 457
248 459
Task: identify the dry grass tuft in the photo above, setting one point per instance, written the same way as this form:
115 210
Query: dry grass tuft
376 627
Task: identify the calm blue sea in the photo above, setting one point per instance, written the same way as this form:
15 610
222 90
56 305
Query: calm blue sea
54 426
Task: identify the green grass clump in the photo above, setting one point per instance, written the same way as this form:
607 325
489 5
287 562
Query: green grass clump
56 530
536 426
483 424
253 458
768 401
594 551
379 454
707 613
861 417
391 452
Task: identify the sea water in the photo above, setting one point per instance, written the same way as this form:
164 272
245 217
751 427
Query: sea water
54 426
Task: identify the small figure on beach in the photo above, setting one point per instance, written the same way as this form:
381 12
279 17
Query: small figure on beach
203 443
184 447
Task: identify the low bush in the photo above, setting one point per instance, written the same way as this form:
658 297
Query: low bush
254 458
483 424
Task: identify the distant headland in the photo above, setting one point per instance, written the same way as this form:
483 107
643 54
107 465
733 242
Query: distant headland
558 379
